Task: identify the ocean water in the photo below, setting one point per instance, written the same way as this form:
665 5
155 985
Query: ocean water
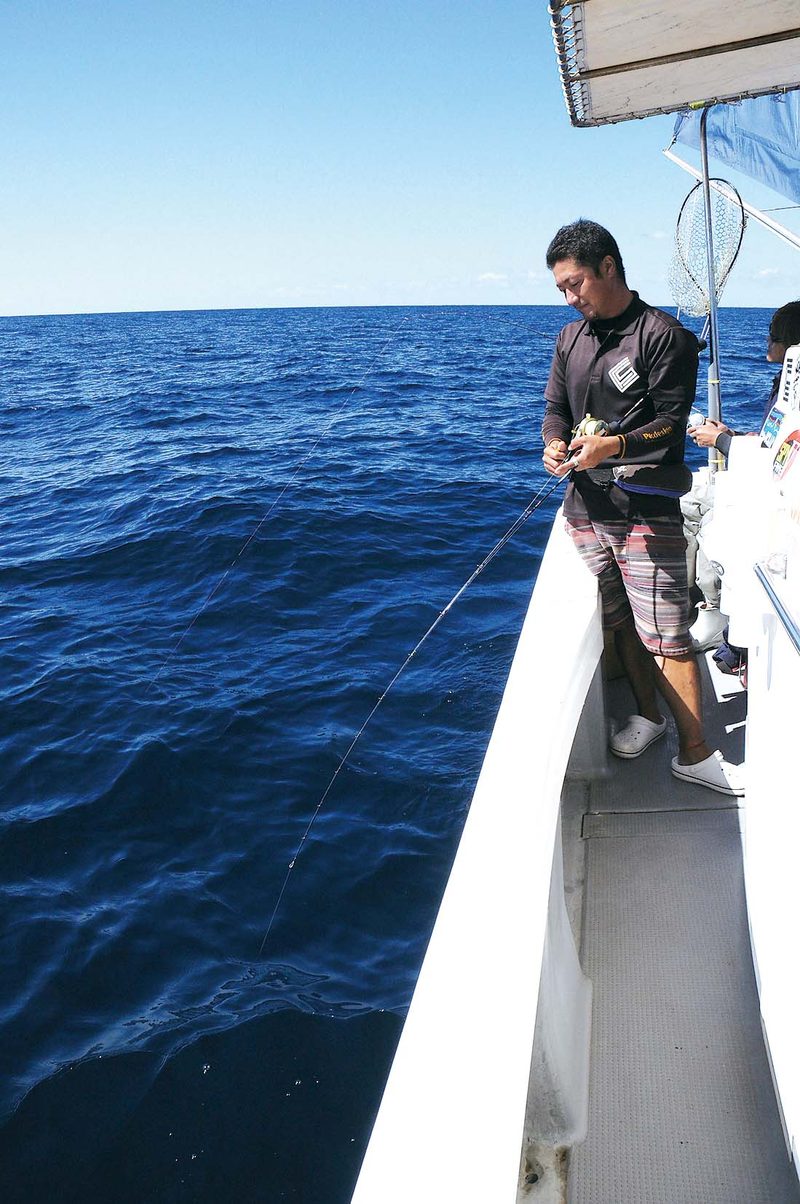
222 534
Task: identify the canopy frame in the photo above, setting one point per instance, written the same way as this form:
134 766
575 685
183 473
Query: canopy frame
736 69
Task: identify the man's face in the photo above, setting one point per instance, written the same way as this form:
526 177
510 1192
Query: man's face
776 352
593 294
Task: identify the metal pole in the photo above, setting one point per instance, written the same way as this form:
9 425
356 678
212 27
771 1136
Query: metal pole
715 460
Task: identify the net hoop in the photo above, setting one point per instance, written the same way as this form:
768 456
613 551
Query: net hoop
688 273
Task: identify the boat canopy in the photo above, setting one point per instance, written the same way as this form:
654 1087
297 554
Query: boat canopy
620 59
760 137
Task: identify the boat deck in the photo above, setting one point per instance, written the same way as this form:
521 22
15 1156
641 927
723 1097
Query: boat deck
681 1101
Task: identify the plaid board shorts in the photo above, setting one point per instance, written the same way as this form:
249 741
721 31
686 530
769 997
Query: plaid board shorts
640 565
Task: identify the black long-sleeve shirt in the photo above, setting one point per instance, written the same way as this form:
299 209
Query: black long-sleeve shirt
638 370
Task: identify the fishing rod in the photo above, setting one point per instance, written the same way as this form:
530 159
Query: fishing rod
276 502
539 498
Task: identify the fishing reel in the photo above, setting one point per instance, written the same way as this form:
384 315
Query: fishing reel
591 426
588 426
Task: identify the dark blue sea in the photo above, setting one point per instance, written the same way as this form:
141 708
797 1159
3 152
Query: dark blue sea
222 533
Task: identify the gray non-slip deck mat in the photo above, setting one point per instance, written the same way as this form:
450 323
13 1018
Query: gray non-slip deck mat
646 783
681 1100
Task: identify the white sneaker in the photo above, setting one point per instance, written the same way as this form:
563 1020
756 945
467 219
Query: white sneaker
714 772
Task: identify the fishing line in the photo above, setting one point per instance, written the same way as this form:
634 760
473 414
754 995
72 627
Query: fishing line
276 502
543 494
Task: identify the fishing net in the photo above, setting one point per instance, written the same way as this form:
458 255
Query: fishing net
688 274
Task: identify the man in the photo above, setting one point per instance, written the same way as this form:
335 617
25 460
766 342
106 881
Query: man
784 332
636 368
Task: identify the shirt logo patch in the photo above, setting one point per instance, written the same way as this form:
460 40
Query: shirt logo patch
623 374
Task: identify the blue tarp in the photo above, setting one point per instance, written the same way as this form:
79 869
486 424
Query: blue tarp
760 137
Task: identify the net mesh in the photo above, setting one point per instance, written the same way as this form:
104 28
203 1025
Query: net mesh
688 275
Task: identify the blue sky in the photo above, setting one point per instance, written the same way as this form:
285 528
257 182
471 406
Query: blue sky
179 155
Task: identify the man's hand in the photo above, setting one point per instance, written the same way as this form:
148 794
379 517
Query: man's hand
554 455
705 435
590 450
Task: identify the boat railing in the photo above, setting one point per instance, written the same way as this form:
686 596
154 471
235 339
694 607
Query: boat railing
765 572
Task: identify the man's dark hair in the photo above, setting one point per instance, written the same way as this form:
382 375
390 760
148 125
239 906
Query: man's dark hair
587 243
784 326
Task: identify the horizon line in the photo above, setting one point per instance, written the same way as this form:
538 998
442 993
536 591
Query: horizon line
233 309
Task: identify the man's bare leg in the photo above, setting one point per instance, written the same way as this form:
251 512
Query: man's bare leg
640 670
677 679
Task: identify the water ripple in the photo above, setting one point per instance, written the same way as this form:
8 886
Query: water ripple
184 663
